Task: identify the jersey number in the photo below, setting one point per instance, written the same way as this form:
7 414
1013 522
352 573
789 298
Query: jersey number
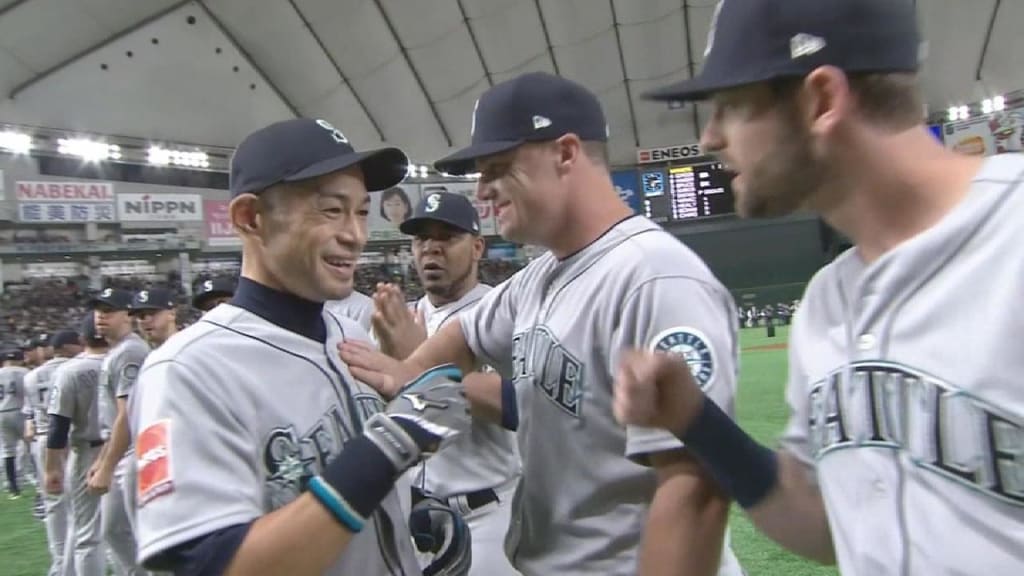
42 395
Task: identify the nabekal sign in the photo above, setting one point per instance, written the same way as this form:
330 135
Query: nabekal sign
160 207
76 192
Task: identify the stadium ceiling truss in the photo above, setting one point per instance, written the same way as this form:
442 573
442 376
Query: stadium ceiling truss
401 72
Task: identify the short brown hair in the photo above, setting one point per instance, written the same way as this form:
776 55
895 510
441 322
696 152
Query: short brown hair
889 99
597 151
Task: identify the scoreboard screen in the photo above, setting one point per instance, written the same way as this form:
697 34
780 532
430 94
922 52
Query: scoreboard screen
690 192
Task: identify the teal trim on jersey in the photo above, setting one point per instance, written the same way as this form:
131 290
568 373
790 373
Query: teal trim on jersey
336 505
449 371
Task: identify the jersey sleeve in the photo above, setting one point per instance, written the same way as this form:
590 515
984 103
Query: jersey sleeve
490 326
29 390
689 318
125 370
62 394
197 470
796 437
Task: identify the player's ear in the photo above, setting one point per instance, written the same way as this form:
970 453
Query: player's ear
478 247
569 149
244 212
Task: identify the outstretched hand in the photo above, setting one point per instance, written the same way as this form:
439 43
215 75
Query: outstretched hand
398 329
656 390
377 370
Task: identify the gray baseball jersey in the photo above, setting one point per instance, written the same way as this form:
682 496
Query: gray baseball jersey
12 397
557 328
38 384
905 395
118 373
357 306
236 415
74 395
486 457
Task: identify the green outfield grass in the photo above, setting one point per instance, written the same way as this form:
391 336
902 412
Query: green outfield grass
761 409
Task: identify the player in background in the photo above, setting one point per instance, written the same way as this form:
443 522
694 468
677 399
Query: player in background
476 474
212 292
594 498
38 386
155 312
258 451
72 445
12 421
354 305
903 449
117 378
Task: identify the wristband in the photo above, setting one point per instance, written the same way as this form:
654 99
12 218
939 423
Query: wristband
744 468
354 484
509 406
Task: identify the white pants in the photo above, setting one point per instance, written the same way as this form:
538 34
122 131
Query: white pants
488 526
84 551
56 518
117 525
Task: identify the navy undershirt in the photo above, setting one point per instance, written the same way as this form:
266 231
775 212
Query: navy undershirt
212 553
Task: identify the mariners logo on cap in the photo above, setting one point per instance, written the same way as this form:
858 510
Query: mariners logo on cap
693 347
208 286
106 293
433 202
144 296
335 133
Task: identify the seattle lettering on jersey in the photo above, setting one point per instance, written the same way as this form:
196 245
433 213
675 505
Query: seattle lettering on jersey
540 359
940 427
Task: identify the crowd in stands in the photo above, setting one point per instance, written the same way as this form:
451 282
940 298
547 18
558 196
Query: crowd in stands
778 314
44 306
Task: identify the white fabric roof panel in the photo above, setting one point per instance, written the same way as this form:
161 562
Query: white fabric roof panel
401 72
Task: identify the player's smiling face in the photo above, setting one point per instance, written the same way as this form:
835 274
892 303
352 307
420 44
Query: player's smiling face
313 235
523 185
445 259
758 133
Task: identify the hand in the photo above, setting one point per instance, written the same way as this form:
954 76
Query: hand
378 371
99 479
398 329
656 390
53 483
30 431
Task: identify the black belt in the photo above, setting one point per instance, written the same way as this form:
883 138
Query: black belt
96 443
474 500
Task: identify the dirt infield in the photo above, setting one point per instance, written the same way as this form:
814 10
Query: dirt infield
762 347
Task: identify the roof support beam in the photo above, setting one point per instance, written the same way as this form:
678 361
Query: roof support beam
547 37
248 59
415 73
988 39
691 65
11 6
625 75
476 44
91 49
337 68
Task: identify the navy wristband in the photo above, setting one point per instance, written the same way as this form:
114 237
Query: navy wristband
353 485
744 468
509 406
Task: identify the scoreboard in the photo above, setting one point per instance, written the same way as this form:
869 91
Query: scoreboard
680 193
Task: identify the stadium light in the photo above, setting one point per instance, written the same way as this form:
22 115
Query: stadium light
998 103
423 171
88 150
986 106
15 142
965 112
162 157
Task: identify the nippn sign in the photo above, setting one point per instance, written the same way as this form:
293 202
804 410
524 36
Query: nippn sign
160 207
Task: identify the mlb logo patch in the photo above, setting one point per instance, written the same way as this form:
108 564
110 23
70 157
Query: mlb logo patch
153 453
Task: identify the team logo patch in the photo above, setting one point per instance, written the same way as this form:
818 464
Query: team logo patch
433 202
129 373
153 453
690 345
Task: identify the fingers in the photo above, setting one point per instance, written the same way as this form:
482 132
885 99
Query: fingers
383 383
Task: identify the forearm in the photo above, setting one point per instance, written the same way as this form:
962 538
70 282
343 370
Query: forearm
686 522
119 441
483 391
793 514
54 461
447 346
300 538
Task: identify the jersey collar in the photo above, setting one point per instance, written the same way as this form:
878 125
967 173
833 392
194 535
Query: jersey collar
287 311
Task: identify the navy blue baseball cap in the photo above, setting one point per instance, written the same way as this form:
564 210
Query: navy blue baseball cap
40 341
213 288
303 148
64 337
12 354
445 207
755 41
533 107
153 299
116 298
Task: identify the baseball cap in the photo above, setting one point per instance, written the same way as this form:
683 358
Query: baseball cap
446 207
12 354
152 299
40 341
532 107
65 337
116 298
302 148
211 289
754 41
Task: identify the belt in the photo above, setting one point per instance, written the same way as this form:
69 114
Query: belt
96 443
472 500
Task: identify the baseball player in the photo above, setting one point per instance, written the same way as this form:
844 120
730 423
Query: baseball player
258 453
154 310
118 373
12 421
212 292
38 385
72 445
354 305
903 450
476 474
594 498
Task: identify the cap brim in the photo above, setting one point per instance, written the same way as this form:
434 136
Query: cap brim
93 302
382 168
200 299
412 226
464 161
689 90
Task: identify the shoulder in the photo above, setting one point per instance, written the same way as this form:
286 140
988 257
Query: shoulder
349 328
647 254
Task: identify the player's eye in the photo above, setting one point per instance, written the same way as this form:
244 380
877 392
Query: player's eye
363 213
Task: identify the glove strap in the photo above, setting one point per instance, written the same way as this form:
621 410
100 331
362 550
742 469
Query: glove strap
393 440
